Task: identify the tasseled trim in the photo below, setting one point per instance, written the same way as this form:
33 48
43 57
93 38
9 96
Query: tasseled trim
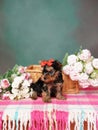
62 120
1 113
49 120
11 125
12 120
81 117
97 121
37 120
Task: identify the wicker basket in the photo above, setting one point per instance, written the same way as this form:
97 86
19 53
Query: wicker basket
35 72
69 86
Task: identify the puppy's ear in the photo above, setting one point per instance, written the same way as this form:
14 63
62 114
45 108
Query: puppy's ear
44 70
57 65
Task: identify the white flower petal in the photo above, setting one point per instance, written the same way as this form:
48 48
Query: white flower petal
84 55
72 59
88 68
95 63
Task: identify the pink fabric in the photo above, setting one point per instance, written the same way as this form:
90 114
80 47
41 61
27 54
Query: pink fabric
54 114
83 98
37 119
41 122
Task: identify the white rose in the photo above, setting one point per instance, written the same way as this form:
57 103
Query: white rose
78 67
27 95
12 96
72 59
88 68
84 55
94 82
74 75
19 96
17 81
67 69
95 63
26 83
15 84
83 77
24 91
84 84
15 91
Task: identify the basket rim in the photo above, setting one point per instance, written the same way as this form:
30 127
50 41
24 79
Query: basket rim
34 68
33 71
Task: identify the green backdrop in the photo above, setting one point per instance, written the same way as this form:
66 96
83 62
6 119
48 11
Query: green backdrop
40 29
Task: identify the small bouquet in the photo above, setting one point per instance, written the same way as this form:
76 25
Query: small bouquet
14 84
82 67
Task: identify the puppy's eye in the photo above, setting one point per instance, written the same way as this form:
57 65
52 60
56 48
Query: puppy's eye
45 73
51 72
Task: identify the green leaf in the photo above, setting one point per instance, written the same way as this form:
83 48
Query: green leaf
93 75
15 69
8 74
65 59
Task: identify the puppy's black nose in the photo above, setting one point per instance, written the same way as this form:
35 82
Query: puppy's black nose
45 78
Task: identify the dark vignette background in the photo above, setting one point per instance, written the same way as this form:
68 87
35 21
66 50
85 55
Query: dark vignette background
32 30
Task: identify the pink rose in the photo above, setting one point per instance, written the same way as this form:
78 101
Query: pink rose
5 97
21 69
5 83
26 76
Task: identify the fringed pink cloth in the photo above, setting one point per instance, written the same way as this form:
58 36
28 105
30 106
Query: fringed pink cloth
52 120
59 115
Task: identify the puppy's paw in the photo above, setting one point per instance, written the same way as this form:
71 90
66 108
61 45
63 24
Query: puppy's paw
60 97
34 95
47 99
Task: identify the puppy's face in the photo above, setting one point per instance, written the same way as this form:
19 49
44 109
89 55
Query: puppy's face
48 74
50 71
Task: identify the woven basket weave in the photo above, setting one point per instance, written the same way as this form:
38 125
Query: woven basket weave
69 86
35 72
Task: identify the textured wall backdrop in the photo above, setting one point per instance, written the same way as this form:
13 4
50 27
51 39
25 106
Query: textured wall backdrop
31 30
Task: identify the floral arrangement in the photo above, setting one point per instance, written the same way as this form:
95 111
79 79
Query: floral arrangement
14 84
82 67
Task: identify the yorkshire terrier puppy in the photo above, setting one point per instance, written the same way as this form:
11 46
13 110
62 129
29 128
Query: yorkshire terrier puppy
51 82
